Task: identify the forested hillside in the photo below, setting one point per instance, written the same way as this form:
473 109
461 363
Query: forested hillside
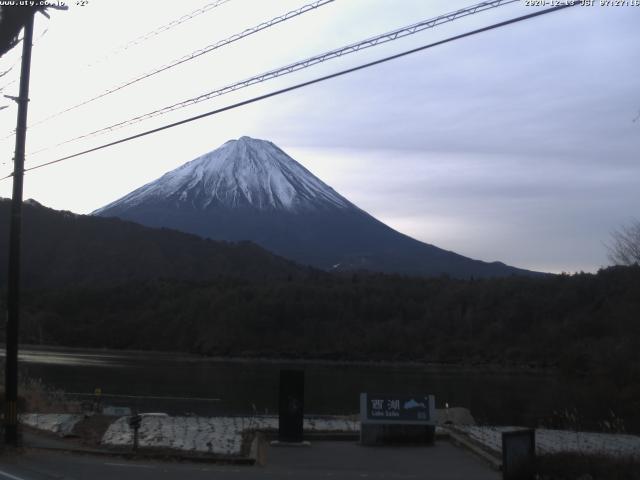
580 323
99 282
64 249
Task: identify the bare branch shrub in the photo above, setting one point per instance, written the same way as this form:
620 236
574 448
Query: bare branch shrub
624 248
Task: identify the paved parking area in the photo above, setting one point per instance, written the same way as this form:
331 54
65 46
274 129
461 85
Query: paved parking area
322 460
350 460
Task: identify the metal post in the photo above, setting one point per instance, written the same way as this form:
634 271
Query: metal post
135 421
136 429
13 288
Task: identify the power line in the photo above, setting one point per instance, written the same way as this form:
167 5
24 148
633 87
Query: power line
197 53
35 43
161 29
2 74
11 82
8 84
300 65
303 84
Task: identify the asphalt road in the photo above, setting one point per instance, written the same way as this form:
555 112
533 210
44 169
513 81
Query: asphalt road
333 460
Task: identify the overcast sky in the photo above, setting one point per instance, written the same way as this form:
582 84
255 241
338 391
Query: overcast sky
517 145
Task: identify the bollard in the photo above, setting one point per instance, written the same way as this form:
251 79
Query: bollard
519 455
291 406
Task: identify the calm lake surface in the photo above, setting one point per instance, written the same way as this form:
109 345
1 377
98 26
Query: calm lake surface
214 386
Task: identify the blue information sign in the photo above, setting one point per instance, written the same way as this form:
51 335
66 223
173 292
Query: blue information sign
397 409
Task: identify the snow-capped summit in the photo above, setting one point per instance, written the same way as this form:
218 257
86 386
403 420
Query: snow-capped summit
249 189
241 173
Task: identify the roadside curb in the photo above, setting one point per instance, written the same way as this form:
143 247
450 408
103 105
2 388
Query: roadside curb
150 455
38 439
257 450
463 441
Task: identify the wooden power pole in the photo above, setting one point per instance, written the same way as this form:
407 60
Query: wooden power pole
15 233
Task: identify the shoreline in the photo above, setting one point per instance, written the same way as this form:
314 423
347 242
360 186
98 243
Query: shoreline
462 368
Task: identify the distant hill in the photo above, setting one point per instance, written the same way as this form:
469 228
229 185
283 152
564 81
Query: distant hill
114 284
62 248
250 189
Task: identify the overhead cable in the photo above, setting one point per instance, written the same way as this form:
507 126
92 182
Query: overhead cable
301 85
300 65
2 74
161 29
197 53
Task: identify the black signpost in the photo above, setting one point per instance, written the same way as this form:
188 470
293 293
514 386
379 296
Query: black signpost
291 406
389 418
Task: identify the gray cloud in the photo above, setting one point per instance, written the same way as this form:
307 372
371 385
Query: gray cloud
516 145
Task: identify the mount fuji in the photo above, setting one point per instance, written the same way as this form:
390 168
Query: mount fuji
250 189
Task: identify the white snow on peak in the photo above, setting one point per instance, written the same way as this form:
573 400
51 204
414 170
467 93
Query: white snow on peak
242 172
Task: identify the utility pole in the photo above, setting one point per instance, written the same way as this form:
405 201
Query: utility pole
15 231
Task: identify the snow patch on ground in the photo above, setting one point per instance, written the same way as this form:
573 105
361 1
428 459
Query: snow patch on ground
561 441
223 435
59 423
217 435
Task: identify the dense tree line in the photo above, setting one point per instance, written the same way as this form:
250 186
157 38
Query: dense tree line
583 323
94 282
97 282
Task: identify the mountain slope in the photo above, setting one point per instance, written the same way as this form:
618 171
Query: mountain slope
250 189
244 173
62 248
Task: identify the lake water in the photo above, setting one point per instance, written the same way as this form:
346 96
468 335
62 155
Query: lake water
202 386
